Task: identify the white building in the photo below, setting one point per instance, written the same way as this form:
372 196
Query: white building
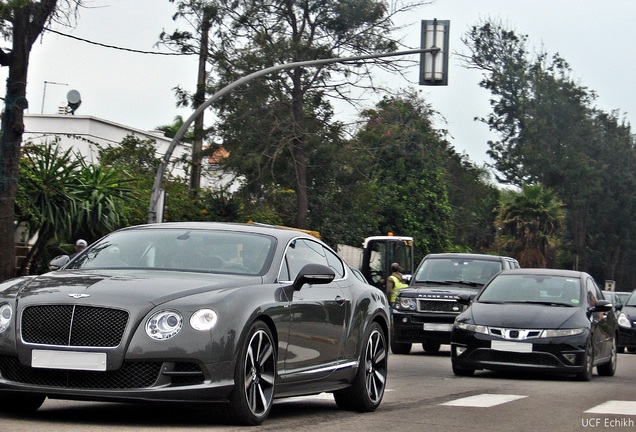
85 133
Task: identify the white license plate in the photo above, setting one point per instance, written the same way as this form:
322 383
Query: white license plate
438 327
76 360
511 346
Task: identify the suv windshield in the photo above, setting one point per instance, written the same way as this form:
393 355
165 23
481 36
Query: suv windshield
459 270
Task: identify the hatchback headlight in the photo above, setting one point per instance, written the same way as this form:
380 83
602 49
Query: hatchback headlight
5 317
473 328
164 325
562 332
405 303
623 321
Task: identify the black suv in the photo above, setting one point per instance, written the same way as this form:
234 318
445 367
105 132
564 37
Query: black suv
424 312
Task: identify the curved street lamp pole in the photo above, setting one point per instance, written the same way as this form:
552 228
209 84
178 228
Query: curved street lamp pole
156 187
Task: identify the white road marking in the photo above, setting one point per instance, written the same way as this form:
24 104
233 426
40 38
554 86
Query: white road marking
614 407
483 400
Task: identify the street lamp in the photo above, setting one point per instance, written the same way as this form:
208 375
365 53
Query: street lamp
434 64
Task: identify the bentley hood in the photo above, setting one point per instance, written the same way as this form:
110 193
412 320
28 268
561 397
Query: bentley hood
110 287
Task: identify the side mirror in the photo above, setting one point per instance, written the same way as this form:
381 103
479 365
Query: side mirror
603 306
314 274
464 298
58 262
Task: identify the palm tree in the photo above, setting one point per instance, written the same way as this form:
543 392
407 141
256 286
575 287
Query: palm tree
529 224
60 195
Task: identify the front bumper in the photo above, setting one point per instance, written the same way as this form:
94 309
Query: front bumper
558 355
148 381
416 327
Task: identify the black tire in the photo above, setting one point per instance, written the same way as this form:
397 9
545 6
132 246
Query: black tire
367 389
631 350
620 349
400 348
431 346
21 404
609 368
588 364
254 377
460 371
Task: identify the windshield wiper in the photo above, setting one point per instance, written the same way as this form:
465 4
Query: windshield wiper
469 283
433 282
545 303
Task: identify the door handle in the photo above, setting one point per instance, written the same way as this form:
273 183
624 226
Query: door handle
340 300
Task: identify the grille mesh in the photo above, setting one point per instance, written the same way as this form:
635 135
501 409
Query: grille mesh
534 358
71 325
446 306
132 375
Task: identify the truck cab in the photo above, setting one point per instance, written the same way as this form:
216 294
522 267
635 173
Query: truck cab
377 254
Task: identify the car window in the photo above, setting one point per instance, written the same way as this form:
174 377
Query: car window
532 288
593 292
301 252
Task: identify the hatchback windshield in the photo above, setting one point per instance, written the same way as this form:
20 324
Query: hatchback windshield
188 250
532 289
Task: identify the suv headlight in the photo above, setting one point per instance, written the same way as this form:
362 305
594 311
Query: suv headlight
623 321
5 317
405 303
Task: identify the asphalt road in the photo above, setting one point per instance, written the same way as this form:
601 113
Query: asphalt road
422 395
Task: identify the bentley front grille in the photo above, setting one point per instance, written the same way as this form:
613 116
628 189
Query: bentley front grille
73 325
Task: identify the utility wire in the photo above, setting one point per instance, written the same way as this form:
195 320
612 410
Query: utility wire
115 47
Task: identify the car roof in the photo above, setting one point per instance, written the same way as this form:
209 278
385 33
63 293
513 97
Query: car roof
484 257
283 234
544 272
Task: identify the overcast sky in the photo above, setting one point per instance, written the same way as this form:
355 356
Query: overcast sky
595 37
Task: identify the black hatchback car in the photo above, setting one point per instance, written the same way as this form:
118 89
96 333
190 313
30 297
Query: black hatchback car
627 325
536 320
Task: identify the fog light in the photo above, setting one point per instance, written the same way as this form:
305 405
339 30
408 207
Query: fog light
405 319
459 350
570 357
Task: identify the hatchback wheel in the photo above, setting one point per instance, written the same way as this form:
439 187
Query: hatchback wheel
588 364
609 368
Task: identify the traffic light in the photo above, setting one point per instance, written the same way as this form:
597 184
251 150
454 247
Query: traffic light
434 63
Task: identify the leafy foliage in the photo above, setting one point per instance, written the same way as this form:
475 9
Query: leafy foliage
551 133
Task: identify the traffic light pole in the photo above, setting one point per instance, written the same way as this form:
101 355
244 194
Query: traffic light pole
157 191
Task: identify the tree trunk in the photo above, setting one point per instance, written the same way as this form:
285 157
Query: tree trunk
28 22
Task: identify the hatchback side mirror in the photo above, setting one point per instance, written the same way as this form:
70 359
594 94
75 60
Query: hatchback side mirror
602 306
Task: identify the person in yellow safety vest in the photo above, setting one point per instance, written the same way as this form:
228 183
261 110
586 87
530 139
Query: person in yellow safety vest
394 283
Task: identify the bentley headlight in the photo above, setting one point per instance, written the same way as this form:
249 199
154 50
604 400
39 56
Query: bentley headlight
203 319
562 332
405 303
164 325
473 328
5 317
623 321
